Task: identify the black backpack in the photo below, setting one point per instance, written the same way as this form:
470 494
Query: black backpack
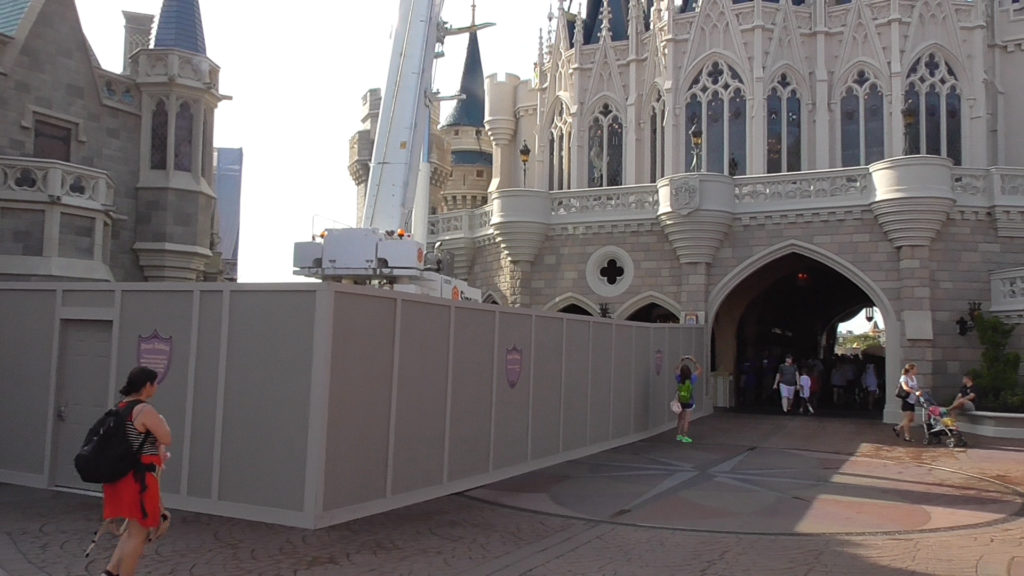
107 454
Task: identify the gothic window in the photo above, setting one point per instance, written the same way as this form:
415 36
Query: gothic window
559 160
862 120
604 149
932 95
783 118
51 141
717 103
183 138
657 149
158 138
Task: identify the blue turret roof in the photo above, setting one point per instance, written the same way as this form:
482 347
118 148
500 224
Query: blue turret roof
11 13
469 111
181 27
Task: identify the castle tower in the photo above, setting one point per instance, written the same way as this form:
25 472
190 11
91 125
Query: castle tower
471 150
175 231
360 149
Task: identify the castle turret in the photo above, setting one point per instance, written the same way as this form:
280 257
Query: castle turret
471 151
175 236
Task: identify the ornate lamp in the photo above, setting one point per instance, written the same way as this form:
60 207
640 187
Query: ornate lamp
696 139
524 155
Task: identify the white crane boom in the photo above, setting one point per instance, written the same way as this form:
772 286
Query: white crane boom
397 191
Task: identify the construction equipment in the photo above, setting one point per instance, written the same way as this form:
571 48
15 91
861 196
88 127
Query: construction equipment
397 192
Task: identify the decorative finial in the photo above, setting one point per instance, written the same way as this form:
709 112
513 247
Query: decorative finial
472 18
606 20
578 36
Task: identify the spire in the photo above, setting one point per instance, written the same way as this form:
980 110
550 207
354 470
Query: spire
615 18
469 111
181 27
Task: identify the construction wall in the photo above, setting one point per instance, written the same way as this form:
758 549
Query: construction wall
312 404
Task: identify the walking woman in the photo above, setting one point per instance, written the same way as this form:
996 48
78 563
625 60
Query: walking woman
908 382
686 378
136 497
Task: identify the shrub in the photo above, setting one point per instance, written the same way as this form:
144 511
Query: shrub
997 379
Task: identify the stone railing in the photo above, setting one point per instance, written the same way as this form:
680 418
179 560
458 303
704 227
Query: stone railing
1008 183
846 184
37 179
118 91
460 223
600 204
1007 294
175 66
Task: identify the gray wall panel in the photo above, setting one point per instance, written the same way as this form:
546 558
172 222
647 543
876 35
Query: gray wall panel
512 404
575 407
622 380
266 399
547 386
26 334
643 376
204 396
359 413
170 313
418 452
88 298
469 445
601 357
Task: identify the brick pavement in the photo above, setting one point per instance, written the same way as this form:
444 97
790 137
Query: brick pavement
44 532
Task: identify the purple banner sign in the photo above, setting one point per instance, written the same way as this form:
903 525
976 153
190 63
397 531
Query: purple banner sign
659 361
513 365
155 353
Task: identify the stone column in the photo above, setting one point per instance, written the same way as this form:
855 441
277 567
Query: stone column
696 213
913 199
519 218
500 121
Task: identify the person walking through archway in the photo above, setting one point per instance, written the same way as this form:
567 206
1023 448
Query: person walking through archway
786 377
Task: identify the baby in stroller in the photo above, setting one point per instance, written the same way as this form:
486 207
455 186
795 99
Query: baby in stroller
939 426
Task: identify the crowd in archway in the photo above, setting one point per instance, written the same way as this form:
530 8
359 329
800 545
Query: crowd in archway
843 383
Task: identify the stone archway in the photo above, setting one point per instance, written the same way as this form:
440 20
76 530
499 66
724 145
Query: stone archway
798 292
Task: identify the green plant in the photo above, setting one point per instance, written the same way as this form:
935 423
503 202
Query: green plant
996 379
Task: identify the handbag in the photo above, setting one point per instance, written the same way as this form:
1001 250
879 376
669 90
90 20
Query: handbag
902 393
675 406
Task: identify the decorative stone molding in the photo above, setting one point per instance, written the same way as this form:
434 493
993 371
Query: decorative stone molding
696 213
519 218
1007 294
913 198
604 278
167 262
1008 201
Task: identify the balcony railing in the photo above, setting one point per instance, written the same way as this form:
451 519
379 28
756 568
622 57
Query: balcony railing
39 179
794 192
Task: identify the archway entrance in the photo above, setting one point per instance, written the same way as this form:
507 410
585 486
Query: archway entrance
793 304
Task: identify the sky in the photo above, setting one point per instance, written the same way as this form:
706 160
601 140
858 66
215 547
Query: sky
296 77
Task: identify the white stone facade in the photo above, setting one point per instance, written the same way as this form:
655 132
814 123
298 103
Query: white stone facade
810 159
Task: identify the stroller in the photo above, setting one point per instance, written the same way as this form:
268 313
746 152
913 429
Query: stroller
939 426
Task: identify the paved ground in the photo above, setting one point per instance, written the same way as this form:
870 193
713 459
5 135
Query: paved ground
754 494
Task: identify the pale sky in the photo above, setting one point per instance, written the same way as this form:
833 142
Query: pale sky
297 71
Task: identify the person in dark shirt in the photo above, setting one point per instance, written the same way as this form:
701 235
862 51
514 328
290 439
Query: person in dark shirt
786 377
966 398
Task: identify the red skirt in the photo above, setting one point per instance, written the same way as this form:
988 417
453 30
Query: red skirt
121 499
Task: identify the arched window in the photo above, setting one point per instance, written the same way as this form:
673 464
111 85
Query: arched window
183 138
862 120
657 150
716 102
158 138
604 148
559 160
783 122
937 121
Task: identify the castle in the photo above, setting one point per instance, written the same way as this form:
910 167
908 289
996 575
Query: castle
764 169
107 176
